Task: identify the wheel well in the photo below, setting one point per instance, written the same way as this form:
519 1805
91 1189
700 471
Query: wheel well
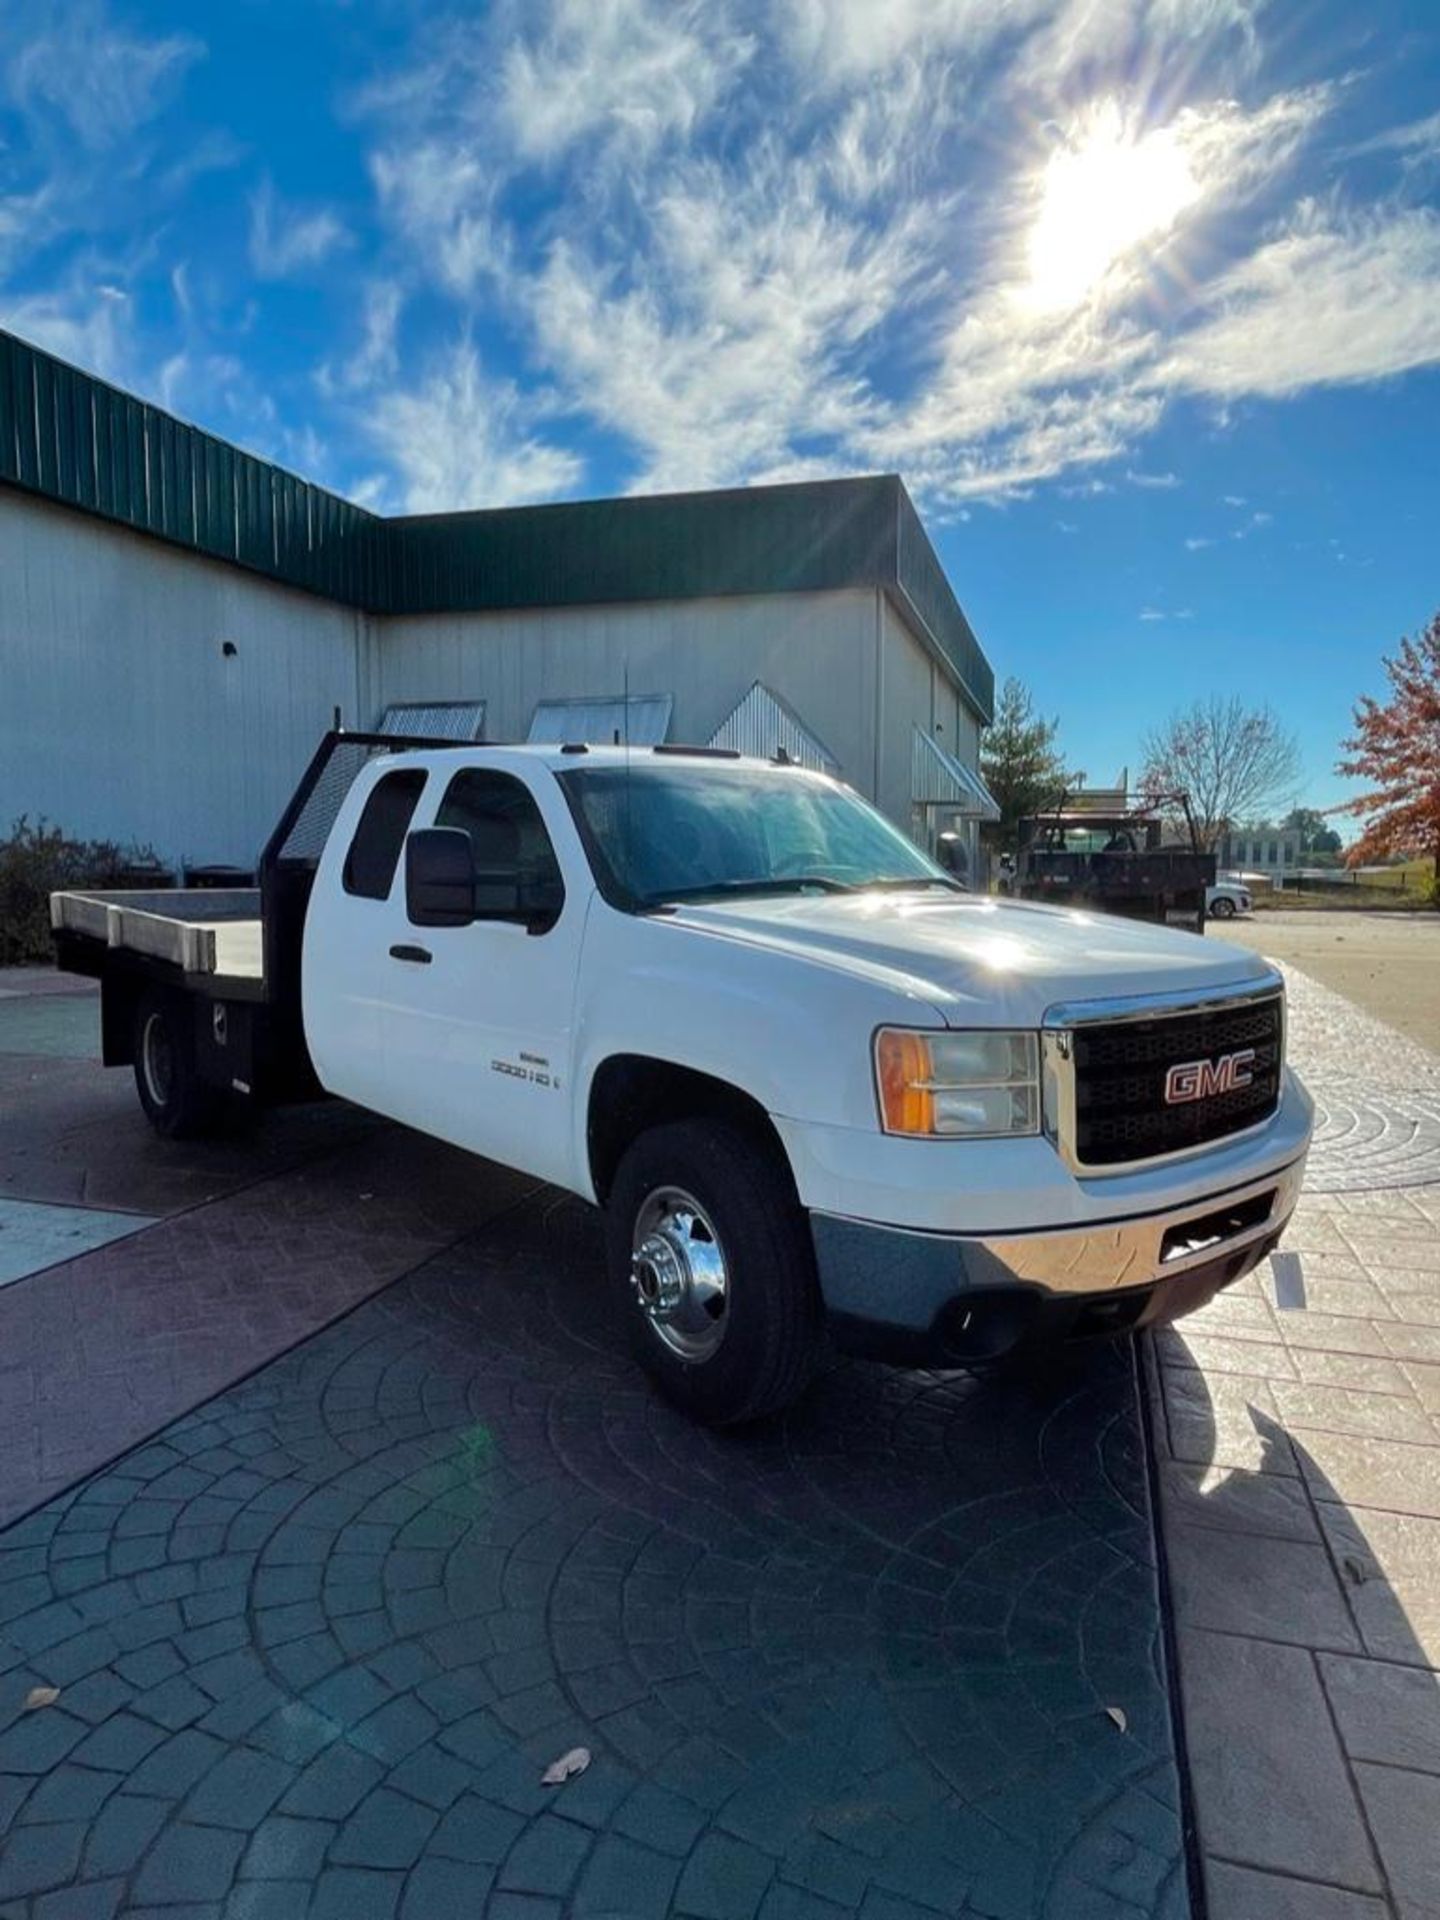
631 1093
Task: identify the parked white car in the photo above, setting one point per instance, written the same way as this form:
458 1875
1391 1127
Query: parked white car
818 1088
1227 898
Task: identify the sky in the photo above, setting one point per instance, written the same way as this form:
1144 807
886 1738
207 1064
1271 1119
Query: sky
1141 297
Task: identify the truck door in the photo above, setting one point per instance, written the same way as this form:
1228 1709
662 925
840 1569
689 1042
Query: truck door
477 1019
345 967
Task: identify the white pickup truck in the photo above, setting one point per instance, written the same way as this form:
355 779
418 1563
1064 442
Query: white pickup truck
818 1088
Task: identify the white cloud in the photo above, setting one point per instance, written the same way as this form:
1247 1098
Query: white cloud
1088 36
440 195
286 240
459 440
375 360
97 77
79 321
1196 542
729 346
748 242
1333 298
1417 142
1155 482
850 41
639 69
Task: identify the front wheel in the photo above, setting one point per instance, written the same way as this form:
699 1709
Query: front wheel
1222 910
712 1253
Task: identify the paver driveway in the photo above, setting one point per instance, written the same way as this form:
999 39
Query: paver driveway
316 1642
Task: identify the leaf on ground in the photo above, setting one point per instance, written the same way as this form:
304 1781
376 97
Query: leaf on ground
1355 1569
1117 1714
41 1697
561 1770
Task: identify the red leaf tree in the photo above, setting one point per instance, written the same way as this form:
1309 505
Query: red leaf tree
1396 748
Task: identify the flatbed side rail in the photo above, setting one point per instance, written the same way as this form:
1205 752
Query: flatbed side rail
184 930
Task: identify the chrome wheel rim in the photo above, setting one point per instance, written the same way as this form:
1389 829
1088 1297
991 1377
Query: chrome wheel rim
678 1273
158 1059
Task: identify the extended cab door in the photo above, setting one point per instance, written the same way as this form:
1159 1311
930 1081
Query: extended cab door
477 1019
348 930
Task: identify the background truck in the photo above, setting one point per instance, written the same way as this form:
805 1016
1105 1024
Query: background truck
1116 860
819 1090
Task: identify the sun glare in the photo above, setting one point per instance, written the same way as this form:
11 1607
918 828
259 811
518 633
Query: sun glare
1102 195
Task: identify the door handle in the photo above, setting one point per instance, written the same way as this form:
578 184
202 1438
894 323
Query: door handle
420 955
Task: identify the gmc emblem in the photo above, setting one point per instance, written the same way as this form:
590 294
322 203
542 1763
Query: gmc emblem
1202 1079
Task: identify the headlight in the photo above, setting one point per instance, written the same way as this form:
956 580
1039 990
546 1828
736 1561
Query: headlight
950 1085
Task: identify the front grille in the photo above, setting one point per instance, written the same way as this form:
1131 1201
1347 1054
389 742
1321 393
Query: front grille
1120 1069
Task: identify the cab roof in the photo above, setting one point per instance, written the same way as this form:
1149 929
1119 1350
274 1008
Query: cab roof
570 755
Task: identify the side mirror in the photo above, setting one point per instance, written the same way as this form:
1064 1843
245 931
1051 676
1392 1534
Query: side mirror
439 878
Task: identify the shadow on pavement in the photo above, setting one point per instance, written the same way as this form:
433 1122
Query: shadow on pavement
317 1641
1311 1710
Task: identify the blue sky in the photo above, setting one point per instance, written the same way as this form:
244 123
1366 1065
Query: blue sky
1141 296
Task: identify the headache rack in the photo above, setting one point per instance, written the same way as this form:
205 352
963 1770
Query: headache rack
1132 1082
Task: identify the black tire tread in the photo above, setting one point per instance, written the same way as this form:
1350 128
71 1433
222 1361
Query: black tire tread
750 1195
194 1110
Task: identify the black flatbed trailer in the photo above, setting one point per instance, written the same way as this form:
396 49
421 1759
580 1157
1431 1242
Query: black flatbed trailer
1115 860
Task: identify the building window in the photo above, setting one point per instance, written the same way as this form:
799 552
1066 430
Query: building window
385 820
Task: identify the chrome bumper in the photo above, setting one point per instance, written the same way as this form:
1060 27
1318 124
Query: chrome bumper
1132 1253
892 1279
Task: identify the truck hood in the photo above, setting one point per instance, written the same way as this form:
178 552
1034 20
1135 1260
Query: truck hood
977 961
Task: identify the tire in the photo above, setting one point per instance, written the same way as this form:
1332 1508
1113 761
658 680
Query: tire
1222 909
178 1105
702 1205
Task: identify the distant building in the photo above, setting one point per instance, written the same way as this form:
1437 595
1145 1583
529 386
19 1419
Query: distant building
1274 851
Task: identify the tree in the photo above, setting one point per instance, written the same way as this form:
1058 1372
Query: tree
1396 747
1233 762
1315 836
1019 761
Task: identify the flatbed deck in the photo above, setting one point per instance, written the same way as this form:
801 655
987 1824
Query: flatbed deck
211 934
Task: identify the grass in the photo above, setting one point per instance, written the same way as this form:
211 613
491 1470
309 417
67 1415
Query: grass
1356 900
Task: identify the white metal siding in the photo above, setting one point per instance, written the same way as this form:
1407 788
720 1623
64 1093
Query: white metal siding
120 715
815 650
764 726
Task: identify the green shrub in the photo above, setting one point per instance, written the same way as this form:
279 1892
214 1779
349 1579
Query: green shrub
34 862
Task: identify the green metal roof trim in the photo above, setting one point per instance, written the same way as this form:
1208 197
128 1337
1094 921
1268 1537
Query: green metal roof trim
72 438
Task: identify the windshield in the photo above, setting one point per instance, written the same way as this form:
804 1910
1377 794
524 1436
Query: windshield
657 835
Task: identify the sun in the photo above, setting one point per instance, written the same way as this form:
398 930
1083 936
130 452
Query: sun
1103 194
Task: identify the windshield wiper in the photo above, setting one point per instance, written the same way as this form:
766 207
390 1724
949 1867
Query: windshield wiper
790 883
898 882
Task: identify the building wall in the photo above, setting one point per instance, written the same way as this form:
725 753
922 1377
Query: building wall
839 658
816 650
119 714
122 717
915 691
